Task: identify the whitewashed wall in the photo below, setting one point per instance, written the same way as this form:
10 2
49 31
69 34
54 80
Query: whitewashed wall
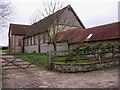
49 47
31 49
45 47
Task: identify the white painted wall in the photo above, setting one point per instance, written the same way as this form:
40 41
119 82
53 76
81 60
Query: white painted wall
30 49
46 47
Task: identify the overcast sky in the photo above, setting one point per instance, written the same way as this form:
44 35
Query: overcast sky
91 12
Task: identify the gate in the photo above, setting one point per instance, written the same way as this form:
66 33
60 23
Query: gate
10 62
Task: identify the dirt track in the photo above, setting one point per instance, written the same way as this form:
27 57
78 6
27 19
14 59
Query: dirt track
43 78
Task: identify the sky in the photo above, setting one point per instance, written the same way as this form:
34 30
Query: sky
91 12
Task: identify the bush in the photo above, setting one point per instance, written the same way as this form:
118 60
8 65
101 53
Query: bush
4 48
92 52
96 50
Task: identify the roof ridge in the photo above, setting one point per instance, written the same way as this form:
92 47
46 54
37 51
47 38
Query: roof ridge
19 24
104 25
51 14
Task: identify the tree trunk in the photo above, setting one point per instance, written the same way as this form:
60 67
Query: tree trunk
55 48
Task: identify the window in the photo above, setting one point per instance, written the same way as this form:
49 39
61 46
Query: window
89 36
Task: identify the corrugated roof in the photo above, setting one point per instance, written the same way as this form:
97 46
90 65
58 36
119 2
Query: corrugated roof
71 35
18 29
99 33
105 32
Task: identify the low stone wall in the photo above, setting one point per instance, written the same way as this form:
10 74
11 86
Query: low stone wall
70 68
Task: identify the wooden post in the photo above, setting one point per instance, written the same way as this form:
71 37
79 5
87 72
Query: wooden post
113 53
99 58
49 54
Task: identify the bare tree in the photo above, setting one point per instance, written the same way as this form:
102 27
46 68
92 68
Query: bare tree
51 23
5 12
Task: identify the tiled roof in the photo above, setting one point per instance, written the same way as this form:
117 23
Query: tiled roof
42 25
99 33
18 29
45 23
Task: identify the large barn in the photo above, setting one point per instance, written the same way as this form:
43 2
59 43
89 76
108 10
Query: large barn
70 33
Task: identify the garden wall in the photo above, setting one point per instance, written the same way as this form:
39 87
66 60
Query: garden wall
70 68
75 45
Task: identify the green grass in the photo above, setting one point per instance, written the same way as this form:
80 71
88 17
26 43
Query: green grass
68 58
60 58
82 60
42 60
37 59
5 51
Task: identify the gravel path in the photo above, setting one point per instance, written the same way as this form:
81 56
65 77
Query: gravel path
39 77
43 78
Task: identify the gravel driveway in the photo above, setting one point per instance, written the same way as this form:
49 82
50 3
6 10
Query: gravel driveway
43 78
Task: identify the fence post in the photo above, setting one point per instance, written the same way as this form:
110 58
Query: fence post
49 54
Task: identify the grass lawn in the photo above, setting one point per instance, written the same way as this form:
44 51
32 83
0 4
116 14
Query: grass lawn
82 60
42 60
5 51
60 58
37 59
